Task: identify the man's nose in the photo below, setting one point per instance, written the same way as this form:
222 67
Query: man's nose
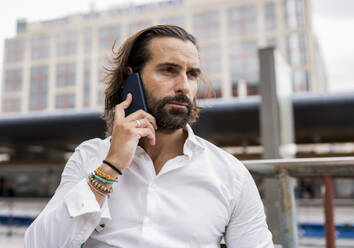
182 84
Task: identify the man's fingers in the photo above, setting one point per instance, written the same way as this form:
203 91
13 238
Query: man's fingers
126 103
141 114
147 124
148 133
119 113
142 123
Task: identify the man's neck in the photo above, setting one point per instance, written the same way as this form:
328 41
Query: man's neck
167 146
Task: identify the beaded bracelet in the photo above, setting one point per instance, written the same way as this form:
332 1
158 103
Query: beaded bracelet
102 188
100 173
102 179
96 190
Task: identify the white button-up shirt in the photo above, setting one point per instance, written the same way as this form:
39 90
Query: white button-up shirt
194 201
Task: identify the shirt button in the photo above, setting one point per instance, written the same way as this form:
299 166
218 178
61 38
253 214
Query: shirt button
147 221
153 186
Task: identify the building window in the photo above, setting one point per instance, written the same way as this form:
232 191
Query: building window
297 49
242 20
11 105
40 47
206 25
15 50
204 91
65 75
270 16
210 89
176 20
109 36
13 80
216 84
103 64
300 81
38 88
272 42
294 13
66 44
244 63
87 40
210 57
100 97
136 26
87 84
65 101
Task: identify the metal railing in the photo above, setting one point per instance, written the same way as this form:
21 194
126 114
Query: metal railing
285 170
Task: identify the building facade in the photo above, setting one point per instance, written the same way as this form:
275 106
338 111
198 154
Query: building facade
59 63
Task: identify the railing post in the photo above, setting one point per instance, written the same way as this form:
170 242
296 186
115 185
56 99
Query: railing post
287 213
329 213
11 218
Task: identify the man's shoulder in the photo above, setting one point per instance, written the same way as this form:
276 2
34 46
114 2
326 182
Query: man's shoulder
226 160
93 145
223 165
87 156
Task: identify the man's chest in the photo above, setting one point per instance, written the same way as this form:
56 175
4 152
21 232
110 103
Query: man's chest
180 207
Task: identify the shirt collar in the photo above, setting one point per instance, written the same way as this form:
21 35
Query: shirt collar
192 143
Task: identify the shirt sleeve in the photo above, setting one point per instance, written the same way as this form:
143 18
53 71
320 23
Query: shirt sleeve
247 226
73 213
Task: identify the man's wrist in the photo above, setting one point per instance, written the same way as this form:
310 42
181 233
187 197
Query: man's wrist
110 167
108 170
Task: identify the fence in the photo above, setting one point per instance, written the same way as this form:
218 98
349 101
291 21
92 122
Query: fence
285 170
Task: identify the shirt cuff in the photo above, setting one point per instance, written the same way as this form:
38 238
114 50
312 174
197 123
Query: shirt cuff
81 200
105 212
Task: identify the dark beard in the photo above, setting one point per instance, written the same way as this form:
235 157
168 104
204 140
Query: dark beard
172 119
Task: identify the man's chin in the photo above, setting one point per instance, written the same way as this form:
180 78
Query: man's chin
166 130
172 124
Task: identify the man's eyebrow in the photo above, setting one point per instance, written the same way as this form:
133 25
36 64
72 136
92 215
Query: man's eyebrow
195 69
169 64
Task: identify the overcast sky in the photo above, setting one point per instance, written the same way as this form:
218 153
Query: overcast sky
333 22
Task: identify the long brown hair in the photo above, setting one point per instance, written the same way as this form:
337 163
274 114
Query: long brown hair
134 53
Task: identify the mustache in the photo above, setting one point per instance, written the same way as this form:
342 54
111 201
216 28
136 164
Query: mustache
177 99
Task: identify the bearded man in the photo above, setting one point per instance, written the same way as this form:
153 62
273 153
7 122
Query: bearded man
152 182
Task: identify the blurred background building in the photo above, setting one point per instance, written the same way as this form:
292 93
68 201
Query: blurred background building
59 63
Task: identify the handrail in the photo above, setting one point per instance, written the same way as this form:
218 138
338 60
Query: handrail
333 166
284 169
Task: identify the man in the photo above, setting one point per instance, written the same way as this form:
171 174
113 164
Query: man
176 189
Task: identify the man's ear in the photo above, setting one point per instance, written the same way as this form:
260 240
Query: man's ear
128 70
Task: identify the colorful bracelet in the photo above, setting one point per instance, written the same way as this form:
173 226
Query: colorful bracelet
102 179
100 173
103 189
96 190
100 187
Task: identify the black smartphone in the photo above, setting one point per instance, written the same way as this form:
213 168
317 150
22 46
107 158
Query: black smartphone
134 85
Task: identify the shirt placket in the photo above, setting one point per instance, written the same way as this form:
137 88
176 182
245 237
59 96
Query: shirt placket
149 224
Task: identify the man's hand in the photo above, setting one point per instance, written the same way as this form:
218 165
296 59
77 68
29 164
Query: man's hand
127 132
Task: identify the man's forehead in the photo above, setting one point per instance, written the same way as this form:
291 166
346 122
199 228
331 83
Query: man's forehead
175 50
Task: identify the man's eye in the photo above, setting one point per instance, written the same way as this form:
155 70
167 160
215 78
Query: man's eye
193 74
169 70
